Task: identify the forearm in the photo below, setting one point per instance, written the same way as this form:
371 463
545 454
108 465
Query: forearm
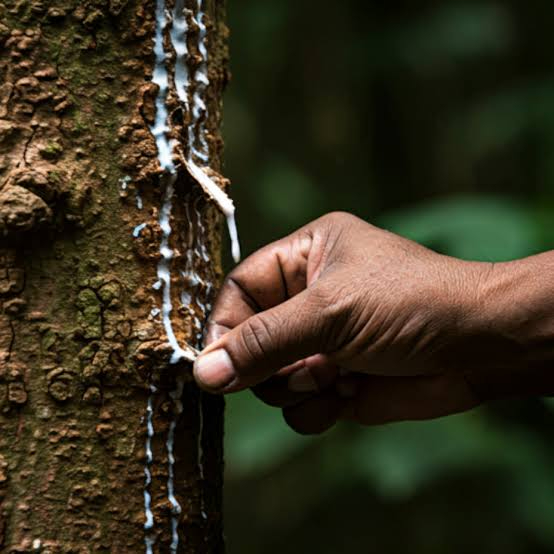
514 345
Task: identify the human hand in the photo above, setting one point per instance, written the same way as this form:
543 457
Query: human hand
342 320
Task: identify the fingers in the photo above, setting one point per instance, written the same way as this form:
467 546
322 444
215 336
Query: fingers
380 400
271 310
269 277
297 382
315 415
258 347
264 281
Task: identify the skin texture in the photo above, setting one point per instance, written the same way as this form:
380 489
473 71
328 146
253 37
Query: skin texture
342 320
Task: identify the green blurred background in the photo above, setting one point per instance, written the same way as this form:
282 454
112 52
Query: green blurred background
434 119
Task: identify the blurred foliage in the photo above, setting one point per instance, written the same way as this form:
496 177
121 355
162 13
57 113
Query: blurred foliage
434 119
477 228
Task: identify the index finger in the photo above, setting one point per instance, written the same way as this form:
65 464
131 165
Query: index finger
265 279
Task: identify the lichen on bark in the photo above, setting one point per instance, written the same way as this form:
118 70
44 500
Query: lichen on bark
80 343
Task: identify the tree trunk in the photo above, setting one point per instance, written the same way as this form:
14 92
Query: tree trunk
109 256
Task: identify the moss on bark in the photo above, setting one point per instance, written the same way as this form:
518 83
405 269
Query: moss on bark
79 342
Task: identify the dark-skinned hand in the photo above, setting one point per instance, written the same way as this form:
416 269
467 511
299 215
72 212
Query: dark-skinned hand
343 320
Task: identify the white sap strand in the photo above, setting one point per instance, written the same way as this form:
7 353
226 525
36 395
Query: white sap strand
170 443
165 158
149 525
164 276
198 145
197 131
195 291
178 36
186 298
201 252
150 542
208 304
201 246
137 230
202 300
195 286
190 276
161 78
160 130
234 236
222 200
124 182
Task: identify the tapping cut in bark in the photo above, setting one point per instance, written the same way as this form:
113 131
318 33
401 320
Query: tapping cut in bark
80 339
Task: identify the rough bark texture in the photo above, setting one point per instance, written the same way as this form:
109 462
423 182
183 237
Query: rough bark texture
80 338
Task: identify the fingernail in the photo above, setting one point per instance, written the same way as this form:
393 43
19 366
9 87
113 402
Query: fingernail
302 381
214 370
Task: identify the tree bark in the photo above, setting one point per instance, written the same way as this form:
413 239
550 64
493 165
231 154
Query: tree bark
84 346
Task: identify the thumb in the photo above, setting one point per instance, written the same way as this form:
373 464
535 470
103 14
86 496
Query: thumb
266 342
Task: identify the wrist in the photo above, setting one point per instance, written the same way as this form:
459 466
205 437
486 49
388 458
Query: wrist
512 327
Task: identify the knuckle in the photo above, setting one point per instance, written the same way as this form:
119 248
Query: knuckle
344 224
338 233
256 337
328 299
334 307
236 284
341 220
339 217
321 293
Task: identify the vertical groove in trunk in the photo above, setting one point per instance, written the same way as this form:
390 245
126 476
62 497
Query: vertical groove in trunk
82 335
